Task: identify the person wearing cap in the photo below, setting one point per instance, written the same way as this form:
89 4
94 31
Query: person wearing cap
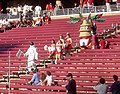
71 86
32 55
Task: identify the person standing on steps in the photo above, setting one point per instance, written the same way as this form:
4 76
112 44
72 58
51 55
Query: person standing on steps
71 86
32 55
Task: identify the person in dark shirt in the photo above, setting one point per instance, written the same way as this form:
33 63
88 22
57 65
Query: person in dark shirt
71 86
115 88
94 27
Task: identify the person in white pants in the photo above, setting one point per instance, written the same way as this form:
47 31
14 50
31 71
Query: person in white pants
32 55
108 5
38 10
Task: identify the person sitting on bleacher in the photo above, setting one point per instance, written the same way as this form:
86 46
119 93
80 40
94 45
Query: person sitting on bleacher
46 18
38 22
115 87
102 43
101 87
49 79
42 78
35 79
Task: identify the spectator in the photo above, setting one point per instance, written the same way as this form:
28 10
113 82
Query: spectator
115 87
75 9
83 3
25 10
71 86
118 3
55 9
19 8
95 43
102 44
59 4
42 77
101 87
93 27
32 55
108 5
38 10
35 79
49 79
90 3
50 8
46 18
38 22
83 46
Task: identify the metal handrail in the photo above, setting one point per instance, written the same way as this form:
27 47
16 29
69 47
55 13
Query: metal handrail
67 11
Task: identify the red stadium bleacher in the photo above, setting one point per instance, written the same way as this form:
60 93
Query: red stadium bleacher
87 66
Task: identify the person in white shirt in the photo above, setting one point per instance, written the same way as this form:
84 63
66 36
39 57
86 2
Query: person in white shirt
32 55
49 79
38 10
25 10
19 8
101 87
108 5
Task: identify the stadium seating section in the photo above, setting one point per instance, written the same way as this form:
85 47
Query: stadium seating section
87 65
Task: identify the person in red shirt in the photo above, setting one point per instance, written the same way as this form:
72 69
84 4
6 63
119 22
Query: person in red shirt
90 2
83 3
46 18
102 44
50 8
